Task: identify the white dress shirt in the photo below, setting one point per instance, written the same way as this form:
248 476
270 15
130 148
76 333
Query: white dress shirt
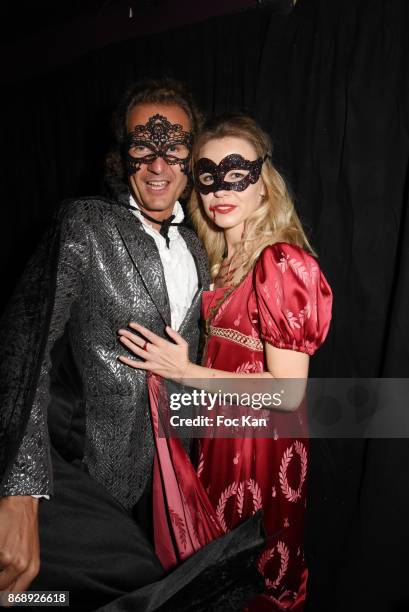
178 265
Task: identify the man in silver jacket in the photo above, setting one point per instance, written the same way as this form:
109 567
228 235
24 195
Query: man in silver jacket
107 261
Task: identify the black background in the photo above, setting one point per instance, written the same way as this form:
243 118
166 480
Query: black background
329 81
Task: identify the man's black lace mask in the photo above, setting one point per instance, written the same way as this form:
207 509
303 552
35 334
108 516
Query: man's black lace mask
158 138
233 173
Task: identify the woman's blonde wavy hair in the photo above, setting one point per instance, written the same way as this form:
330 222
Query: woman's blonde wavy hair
274 221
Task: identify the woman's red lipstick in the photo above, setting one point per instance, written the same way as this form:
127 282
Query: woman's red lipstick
222 209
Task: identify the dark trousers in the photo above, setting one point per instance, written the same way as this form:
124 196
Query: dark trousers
93 548
90 545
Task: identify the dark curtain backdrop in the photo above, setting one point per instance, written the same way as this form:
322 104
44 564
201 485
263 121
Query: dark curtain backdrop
333 92
56 130
329 81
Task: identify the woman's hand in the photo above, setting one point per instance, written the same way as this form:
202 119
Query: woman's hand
167 359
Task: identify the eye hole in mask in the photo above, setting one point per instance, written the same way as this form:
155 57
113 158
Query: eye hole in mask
146 153
233 173
157 138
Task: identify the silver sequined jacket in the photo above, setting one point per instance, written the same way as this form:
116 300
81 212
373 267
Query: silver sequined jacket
103 271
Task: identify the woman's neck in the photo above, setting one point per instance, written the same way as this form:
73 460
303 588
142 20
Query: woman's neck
233 237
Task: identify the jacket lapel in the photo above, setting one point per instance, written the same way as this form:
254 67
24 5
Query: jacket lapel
145 256
196 249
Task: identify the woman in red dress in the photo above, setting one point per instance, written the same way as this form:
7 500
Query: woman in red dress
267 312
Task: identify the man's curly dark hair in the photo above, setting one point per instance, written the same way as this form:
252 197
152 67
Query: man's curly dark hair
145 91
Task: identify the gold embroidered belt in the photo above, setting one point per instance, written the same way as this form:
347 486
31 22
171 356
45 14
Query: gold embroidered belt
253 344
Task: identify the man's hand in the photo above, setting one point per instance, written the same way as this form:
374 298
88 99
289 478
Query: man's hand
19 543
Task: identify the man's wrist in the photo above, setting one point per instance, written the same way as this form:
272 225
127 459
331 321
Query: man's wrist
18 500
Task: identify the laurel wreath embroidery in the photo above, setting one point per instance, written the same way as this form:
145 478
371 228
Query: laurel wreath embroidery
264 557
179 524
193 524
292 319
305 313
224 497
201 465
249 367
240 499
256 492
238 489
268 554
278 290
300 271
291 494
297 267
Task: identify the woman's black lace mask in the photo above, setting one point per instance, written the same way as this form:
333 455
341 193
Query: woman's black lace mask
157 138
233 173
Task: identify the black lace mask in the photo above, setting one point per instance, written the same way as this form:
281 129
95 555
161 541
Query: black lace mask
233 173
157 138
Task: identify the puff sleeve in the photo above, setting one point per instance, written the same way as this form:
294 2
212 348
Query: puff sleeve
293 297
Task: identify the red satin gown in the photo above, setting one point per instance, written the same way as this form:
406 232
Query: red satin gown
285 301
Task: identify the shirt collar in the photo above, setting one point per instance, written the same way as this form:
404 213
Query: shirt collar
177 211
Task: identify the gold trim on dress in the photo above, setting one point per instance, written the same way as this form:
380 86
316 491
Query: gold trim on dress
253 344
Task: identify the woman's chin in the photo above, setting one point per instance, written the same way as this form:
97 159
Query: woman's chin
223 222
